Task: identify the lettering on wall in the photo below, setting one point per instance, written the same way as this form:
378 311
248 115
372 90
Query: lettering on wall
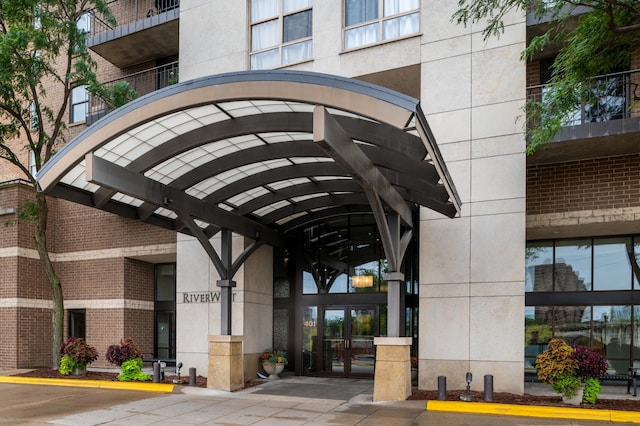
204 297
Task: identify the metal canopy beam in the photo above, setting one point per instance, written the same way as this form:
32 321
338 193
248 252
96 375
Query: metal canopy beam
105 173
338 145
378 134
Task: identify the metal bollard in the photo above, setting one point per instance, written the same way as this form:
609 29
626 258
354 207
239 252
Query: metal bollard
442 388
156 372
488 388
192 376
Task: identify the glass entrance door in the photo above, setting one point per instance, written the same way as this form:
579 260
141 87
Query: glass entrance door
347 341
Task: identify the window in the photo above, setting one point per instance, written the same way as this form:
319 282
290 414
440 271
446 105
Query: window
280 32
34 116
79 104
32 163
84 23
77 323
371 21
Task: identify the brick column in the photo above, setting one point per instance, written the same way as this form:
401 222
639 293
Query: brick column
225 363
393 369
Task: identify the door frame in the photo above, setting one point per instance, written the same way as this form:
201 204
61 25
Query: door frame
347 339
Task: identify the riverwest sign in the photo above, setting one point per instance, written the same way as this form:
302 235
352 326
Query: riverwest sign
203 297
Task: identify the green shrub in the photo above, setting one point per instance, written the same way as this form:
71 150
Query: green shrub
132 371
592 389
66 365
567 386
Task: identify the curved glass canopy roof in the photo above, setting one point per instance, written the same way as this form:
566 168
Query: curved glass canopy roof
260 153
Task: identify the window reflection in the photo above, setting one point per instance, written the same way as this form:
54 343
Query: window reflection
539 267
611 264
612 329
572 270
635 267
538 330
573 324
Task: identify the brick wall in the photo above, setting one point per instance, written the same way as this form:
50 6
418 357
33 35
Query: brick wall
138 280
8 277
34 337
33 283
80 228
8 336
584 185
92 279
106 327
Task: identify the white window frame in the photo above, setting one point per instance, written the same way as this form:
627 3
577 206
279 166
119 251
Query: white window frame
32 164
84 23
280 48
378 26
34 123
74 102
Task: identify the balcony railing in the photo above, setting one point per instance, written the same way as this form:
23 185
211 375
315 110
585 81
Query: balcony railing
142 82
613 98
126 12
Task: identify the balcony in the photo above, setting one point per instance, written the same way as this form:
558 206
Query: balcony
146 30
608 125
142 82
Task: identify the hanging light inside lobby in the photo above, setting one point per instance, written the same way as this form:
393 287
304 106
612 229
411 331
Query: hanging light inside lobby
362 281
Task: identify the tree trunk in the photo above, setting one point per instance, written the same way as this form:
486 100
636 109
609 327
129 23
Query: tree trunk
54 280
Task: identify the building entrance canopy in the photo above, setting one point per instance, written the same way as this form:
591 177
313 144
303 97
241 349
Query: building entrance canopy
237 151
259 153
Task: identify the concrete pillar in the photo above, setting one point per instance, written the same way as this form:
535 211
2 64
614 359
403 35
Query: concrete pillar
225 370
392 380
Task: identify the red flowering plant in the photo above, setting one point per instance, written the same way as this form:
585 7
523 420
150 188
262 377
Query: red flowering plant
591 365
128 357
76 355
126 350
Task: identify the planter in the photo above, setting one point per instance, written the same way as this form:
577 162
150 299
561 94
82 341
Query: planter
576 399
80 371
273 369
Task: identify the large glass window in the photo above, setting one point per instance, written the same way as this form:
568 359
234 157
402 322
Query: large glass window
572 269
580 290
371 21
611 264
598 264
539 267
347 257
280 32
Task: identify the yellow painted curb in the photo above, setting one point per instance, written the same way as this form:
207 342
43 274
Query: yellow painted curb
537 411
99 384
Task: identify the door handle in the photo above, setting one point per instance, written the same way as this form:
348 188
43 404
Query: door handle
346 343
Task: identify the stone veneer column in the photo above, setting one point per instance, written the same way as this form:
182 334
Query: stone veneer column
225 363
393 369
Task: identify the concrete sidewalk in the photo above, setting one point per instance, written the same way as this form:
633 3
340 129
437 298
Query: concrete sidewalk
315 401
